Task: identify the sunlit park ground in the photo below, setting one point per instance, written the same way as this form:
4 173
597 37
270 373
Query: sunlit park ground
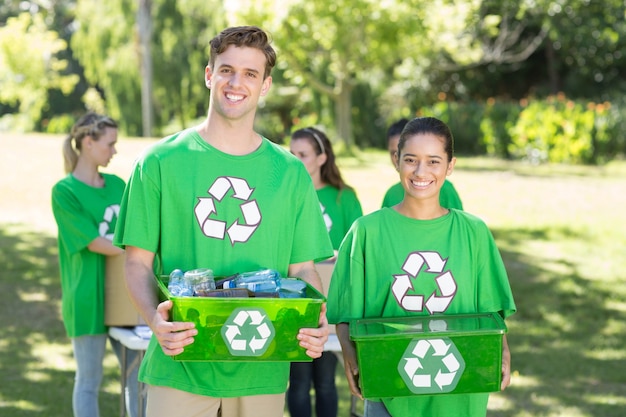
561 231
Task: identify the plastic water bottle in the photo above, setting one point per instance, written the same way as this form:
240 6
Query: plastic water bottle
177 285
263 281
201 281
291 288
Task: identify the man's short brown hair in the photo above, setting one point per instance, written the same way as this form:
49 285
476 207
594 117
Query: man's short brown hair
240 36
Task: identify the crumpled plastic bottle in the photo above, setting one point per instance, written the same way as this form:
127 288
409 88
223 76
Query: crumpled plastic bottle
261 281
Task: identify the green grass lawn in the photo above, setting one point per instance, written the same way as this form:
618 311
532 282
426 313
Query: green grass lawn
560 230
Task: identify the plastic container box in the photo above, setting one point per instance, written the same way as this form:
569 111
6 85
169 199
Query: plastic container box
429 355
245 329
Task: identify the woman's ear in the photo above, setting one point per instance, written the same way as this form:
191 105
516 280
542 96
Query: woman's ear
321 159
451 165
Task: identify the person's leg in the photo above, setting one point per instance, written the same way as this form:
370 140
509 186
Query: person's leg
271 405
298 394
375 409
326 400
169 402
89 354
132 382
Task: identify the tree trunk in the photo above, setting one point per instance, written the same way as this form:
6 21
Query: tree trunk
553 75
144 22
343 103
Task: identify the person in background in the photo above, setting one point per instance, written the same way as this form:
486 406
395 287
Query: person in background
377 247
220 196
340 207
449 196
85 204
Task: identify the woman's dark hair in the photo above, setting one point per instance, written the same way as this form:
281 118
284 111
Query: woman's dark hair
92 125
321 144
396 128
432 125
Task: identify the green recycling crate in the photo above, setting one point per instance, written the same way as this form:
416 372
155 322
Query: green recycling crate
245 329
429 355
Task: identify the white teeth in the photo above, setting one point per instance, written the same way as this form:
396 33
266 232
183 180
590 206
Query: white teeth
420 183
234 97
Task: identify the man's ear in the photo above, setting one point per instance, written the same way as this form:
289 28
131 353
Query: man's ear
208 73
267 83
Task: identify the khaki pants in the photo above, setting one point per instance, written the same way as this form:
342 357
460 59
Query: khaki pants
169 402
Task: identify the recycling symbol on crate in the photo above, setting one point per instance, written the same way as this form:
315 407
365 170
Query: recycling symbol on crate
106 228
236 231
248 332
402 284
431 366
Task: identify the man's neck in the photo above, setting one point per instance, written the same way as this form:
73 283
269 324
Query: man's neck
234 138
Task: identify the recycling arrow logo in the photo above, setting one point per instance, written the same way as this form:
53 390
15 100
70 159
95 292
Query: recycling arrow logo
236 231
106 228
327 220
248 332
431 366
402 285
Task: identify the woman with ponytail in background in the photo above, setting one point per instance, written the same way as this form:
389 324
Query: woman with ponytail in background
85 204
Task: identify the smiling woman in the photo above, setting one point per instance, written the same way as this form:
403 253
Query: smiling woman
382 246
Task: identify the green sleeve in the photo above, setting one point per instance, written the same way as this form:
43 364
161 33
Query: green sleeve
75 227
347 285
448 196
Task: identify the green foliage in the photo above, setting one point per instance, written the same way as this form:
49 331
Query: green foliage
30 66
326 46
110 61
561 130
464 120
498 118
180 52
60 124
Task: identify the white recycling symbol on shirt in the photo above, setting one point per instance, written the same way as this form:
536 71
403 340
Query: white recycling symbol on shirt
104 228
430 366
237 232
327 220
402 283
248 332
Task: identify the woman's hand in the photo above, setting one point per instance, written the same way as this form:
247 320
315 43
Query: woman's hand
313 340
506 364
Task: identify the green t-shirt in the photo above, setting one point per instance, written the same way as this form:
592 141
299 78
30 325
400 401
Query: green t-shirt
460 270
197 207
83 213
448 197
340 209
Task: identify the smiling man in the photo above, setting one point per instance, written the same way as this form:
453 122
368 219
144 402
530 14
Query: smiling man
220 196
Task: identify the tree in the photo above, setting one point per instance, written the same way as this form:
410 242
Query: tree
144 24
30 66
105 44
333 46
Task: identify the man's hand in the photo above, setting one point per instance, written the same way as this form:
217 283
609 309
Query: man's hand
172 336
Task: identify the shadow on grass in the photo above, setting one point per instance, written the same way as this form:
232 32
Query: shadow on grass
567 338
36 355
567 341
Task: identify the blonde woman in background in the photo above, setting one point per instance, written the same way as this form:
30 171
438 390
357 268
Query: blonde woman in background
85 204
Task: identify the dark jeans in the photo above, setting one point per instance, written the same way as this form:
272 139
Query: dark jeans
321 373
